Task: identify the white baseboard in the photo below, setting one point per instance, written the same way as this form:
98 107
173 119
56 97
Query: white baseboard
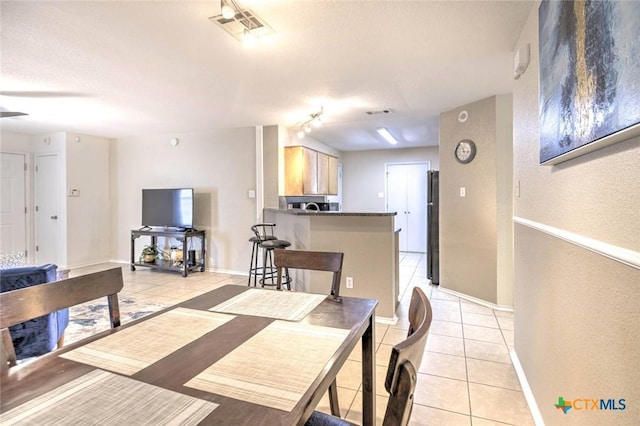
503 308
526 389
387 320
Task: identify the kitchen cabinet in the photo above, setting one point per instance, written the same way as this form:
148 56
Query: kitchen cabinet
333 176
309 172
323 173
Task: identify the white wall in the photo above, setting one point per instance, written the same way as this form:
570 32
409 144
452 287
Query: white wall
577 310
87 170
15 142
363 174
84 220
475 230
220 166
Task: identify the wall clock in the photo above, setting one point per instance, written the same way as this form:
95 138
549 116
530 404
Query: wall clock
465 151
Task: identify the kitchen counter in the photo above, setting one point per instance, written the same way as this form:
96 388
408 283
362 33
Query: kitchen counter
303 212
368 240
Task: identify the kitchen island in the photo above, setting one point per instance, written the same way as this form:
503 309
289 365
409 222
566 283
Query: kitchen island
369 241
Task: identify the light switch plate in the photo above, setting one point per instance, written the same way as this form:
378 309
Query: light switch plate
463 191
252 193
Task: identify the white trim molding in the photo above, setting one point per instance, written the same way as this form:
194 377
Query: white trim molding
619 254
503 308
526 389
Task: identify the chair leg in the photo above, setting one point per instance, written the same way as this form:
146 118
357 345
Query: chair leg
333 399
7 353
287 278
252 270
264 266
60 343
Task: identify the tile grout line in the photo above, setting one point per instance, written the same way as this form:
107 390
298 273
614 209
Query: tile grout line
466 365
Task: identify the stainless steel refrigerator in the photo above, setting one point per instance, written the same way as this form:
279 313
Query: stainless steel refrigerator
433 241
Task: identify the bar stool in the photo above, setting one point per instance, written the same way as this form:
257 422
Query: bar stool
263 232
269 270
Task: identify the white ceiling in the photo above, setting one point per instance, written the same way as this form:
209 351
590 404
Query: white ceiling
117 69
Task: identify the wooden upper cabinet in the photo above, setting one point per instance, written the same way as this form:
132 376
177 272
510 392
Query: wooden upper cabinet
309 172
333 176
323 173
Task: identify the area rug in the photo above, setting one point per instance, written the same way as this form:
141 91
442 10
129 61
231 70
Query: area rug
92 317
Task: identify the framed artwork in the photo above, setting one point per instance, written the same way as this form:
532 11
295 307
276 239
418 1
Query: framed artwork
589 76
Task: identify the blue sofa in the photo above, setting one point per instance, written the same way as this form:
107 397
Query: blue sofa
40 335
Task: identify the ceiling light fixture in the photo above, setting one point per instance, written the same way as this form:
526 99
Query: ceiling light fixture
241 23
228 11
315 120
386 135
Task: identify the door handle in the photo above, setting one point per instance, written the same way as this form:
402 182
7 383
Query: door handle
54 217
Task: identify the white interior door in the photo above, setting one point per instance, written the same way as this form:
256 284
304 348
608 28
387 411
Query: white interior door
47 215
13 213
417 207
397 200
407 195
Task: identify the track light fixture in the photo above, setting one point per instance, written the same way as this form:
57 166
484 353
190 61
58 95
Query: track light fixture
314 120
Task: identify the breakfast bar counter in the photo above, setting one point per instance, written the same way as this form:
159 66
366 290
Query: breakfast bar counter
303 212
368 240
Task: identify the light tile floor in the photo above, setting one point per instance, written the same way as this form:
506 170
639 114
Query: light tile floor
466 376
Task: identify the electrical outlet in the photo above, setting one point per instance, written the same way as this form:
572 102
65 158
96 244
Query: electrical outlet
349 282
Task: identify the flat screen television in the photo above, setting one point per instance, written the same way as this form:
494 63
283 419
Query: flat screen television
168 207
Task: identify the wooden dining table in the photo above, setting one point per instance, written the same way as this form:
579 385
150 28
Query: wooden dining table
232 356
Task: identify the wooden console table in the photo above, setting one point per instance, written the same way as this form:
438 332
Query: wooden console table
167 265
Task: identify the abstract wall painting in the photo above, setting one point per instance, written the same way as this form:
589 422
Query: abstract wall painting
589 76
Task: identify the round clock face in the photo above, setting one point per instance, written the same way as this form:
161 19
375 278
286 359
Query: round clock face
465 151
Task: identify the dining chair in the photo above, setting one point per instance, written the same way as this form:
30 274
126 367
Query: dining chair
402 373
41 335
314 261
310 260
21 305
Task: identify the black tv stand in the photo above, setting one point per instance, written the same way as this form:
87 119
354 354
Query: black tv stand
167 265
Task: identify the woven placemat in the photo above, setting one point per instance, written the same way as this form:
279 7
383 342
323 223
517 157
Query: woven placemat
132 349
284 305
103 398
275 367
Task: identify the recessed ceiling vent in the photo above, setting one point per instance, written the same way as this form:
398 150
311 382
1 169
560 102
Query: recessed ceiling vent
380 111
243 23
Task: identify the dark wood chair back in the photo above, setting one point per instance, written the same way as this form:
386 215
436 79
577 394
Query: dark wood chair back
32 302
311 260
406 356
402 373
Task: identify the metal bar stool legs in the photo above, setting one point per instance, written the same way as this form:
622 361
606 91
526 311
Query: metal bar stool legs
262 232
253 266
269 271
